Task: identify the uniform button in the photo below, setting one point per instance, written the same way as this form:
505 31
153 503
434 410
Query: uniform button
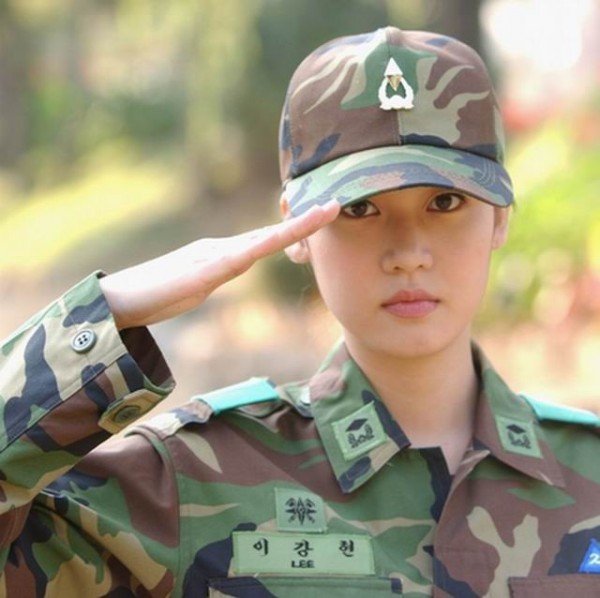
83 341
127 414
305 396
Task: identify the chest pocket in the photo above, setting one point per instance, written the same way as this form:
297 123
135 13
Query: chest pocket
300 587
584 585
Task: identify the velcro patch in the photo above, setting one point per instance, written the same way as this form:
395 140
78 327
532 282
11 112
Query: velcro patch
302 554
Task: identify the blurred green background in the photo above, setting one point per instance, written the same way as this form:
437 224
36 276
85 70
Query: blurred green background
131 127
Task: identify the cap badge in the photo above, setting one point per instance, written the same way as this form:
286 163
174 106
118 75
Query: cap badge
393 77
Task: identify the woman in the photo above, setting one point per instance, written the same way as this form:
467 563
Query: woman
405 465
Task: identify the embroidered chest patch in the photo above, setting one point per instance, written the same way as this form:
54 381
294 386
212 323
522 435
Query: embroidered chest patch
359 432
299 510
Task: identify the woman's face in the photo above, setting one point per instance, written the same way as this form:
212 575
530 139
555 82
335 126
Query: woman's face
404 271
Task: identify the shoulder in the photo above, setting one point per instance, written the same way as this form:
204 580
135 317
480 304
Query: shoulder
254 398
573 437
572 434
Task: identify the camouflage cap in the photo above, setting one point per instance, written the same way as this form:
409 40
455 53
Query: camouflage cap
388 110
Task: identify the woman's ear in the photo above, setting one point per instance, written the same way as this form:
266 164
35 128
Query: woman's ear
298 252
500 234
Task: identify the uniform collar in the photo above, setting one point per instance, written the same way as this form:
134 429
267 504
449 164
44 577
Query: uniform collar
506 426
348 412
360 436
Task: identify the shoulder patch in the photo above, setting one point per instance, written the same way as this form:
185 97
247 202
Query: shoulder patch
253 390
545 411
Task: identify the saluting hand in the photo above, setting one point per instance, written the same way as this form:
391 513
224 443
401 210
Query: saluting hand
181 280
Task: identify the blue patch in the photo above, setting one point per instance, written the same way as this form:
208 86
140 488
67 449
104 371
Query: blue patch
572 546
591 560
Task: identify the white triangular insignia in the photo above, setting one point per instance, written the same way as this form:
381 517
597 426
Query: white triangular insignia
394 76
392 68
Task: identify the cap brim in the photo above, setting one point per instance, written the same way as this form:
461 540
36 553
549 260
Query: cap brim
362 174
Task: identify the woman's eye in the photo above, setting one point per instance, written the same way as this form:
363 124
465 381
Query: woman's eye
447 202
360 209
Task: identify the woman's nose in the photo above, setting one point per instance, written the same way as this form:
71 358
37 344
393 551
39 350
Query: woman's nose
405 250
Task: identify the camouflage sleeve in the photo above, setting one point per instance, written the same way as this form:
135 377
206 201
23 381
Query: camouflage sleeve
68 381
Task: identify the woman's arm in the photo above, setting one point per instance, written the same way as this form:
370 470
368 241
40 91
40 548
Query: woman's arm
85 367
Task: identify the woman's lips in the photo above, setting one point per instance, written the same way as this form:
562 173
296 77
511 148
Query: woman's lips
411 304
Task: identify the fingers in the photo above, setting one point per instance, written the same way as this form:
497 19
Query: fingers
305 224
279 236
215 261
182 279
302 226
249 247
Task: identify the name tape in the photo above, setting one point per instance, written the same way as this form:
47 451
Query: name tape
299 554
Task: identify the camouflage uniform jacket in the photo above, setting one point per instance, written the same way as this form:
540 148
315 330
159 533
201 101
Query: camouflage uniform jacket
312 488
